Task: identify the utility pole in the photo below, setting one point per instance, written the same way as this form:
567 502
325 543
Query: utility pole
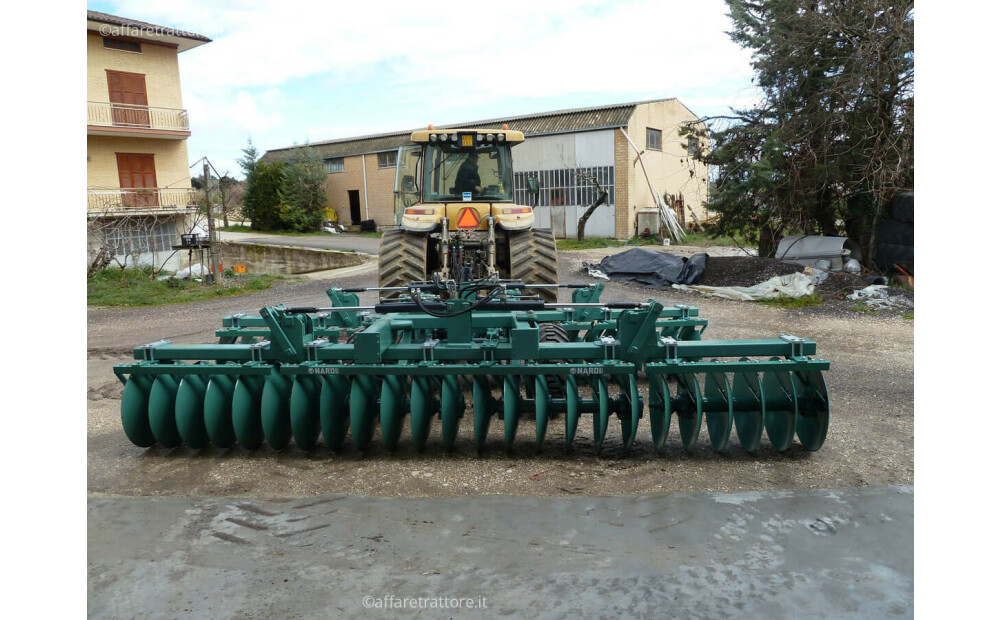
213 258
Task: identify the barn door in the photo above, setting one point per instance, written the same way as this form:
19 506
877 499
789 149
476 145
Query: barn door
127 92
136 171
354 199
558 215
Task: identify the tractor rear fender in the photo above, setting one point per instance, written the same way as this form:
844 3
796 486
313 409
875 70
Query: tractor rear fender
422 217
514 217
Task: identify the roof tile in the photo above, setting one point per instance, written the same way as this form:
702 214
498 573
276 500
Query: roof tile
124 22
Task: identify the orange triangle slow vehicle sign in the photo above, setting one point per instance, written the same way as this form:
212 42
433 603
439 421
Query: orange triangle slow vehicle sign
468 219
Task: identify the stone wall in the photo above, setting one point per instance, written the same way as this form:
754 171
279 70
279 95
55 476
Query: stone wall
285 260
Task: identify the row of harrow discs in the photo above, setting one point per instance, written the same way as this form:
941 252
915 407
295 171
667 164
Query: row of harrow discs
303 373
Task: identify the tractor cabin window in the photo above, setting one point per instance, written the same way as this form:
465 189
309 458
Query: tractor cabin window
125 46
387 160
654 139
334 164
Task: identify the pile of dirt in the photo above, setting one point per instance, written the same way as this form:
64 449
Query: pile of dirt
751 270
743 270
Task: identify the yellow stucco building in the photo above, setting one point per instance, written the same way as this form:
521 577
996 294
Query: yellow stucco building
139 196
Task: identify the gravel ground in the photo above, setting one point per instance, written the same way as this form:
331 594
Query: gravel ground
870 440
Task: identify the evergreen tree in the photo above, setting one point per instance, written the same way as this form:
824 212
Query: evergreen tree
261 197
832 139
303 195
249 159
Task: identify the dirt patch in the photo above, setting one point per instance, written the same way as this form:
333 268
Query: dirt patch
110 353
111 389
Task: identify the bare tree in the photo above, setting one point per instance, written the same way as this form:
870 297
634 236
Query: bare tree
230 198
120 237
602 198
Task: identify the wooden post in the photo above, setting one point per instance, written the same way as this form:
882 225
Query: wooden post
212 256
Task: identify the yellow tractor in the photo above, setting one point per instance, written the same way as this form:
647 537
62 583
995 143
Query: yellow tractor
456 218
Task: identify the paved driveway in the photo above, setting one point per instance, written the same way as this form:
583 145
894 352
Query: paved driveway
844 553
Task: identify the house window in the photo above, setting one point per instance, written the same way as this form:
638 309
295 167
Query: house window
387 160
142 236
334 164
694 147
654 139
125 46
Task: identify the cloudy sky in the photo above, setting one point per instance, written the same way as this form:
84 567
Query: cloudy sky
289 73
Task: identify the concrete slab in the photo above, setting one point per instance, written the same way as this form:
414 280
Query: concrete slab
831 553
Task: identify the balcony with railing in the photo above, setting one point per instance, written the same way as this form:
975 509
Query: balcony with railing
139 200
121 118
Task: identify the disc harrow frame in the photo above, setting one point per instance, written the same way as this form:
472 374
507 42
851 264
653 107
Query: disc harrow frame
318 376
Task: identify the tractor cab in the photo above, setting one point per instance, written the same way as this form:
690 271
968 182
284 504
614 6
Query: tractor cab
456 218
445 173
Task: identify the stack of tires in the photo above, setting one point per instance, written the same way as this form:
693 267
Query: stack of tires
894 239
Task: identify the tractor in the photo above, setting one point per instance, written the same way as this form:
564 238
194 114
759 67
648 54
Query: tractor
455 216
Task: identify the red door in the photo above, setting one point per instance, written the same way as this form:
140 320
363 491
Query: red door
135 171
127 92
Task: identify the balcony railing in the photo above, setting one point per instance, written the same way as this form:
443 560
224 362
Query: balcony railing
136 116
138 199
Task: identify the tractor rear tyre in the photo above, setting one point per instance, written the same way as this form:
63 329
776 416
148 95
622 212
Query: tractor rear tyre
533 260
402 258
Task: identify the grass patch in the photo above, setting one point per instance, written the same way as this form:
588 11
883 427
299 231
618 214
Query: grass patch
643 241
908 316
375 234
698 239
136 287
589 243
705 239
596 243
863 308
793 302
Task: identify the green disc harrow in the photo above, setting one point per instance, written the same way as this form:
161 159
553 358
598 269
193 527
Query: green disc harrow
492 351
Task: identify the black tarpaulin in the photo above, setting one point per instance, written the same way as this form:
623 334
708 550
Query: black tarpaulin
658 269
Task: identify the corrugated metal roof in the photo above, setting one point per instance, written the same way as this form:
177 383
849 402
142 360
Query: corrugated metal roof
558 121
348 146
